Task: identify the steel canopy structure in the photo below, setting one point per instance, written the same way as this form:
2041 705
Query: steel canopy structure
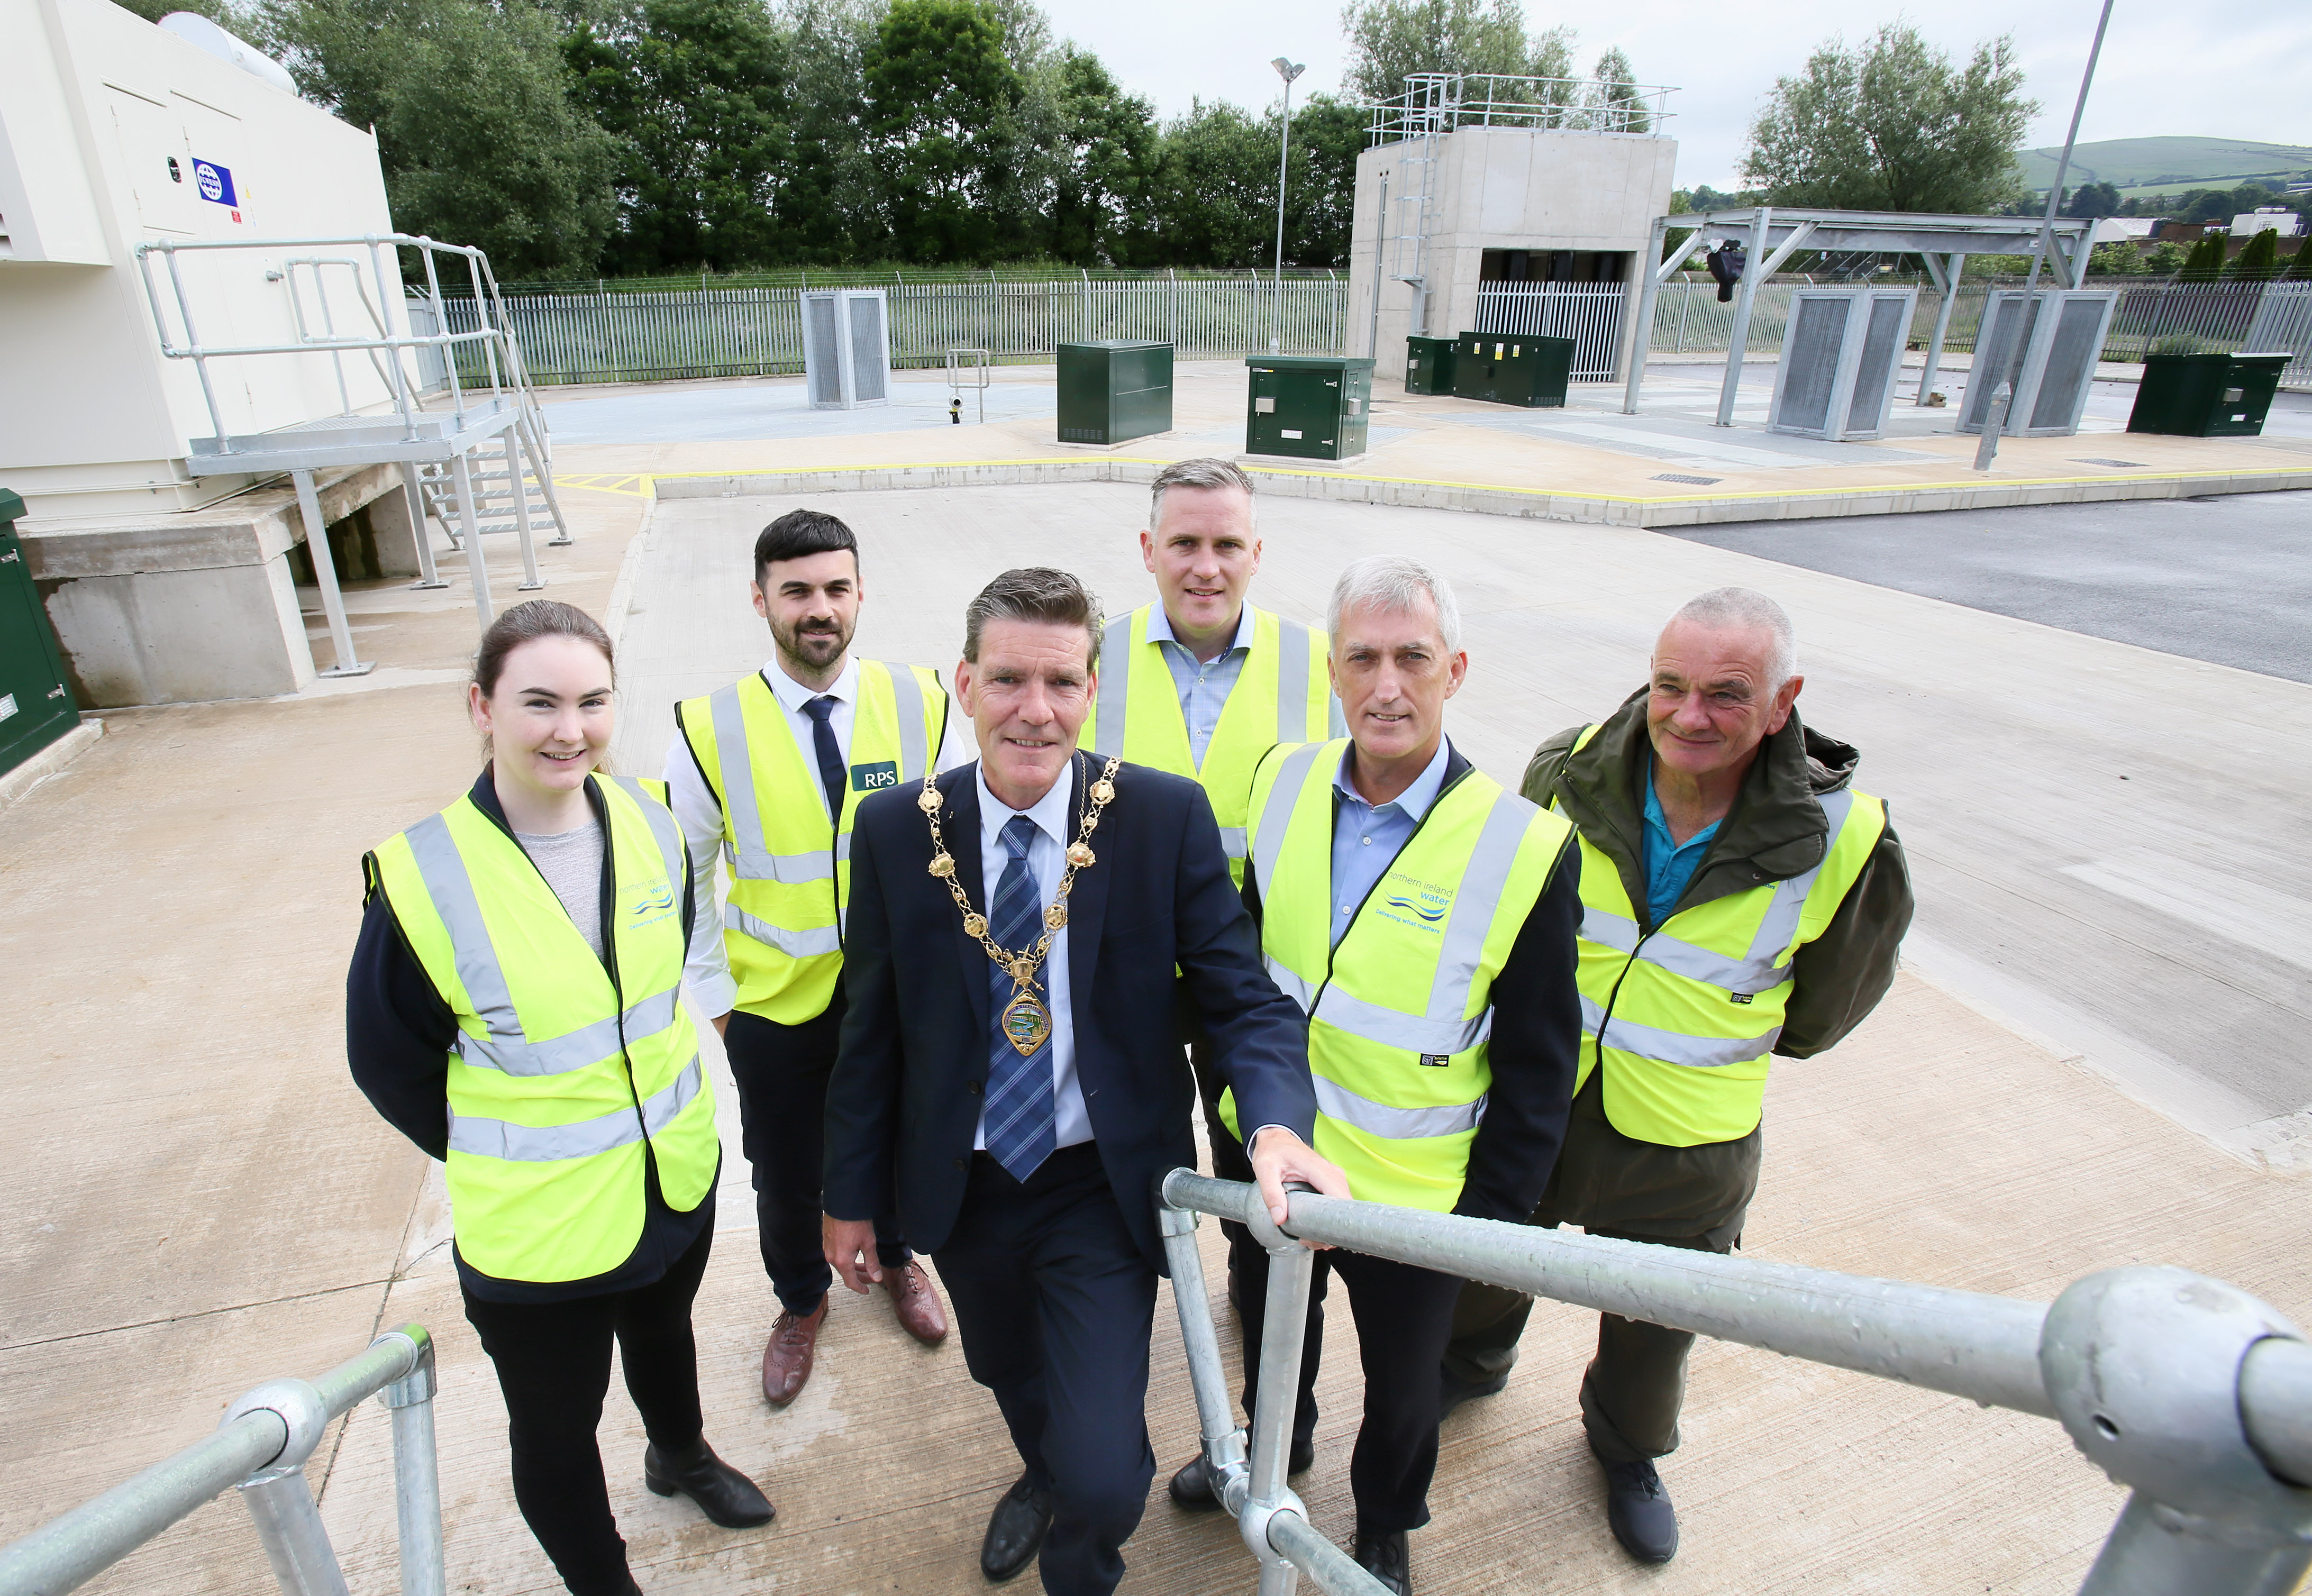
1771 234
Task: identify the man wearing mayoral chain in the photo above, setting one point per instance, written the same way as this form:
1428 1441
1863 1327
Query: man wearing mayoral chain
1010 1067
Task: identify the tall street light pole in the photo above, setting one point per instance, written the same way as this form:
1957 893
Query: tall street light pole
1995 421
1286 70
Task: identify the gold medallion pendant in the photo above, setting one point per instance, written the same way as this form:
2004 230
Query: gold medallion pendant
1027 1024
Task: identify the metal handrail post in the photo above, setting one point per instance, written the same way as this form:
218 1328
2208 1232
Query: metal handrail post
1222 1437
1291 1268
1642 325
461 473
1945 277
412 489
193 345
2145 1556
520 490
325 577
1738 340
289 1525
417 1473
403 404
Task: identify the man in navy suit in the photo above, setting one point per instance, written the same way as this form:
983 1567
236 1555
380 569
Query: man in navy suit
1023 1121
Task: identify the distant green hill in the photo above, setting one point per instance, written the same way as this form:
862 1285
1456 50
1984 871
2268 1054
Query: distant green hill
2167 163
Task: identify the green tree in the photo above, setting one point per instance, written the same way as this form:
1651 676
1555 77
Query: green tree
940 92
2300 267
2259 262
1613 99
2165 258
694 90
1215 187
1329 133
2119 258
476 134
1893 126
2094 199
2205 260
1106 155
1388 38
832 197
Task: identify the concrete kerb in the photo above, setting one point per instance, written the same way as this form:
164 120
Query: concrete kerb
49 761
1493 499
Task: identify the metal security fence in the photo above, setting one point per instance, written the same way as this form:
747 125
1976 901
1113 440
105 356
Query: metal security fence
615 336
1589 313
2151 319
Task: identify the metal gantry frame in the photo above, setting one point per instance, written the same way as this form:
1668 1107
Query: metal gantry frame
2190 1392
1771 233
260 1447
501 414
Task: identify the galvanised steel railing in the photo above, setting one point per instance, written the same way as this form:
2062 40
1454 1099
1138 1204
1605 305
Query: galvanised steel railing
2191 1392
260 1446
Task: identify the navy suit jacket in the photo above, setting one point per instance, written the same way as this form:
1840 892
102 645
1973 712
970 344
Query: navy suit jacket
903 1106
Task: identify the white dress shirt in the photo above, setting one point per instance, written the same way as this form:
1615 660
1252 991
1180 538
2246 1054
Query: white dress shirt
1047 859
707 971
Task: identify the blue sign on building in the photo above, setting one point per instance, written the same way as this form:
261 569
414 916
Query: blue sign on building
214 182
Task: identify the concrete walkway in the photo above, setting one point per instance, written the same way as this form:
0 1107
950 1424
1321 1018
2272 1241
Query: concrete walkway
203 1201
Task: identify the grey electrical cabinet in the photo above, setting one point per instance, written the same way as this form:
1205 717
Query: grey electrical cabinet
846 348
1842 351
2066 340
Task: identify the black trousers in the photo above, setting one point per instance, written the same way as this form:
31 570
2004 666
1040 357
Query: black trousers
1054 1303
1403 1318
554 1365
781 1072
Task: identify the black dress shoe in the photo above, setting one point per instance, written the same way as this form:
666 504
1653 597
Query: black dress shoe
1192 1486
1015 1531
1383 1553
1638 1511
1452 1392
723 1495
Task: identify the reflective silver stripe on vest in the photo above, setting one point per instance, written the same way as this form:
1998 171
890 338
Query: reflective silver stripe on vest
1115 686
907 695
528 1144
794 944
1291 985
665 829
1473 904
751 857
1336 1102
1780 926
1232 839
1670 1047
505 1046
1291 681
1389 1028
1276 818
1752 976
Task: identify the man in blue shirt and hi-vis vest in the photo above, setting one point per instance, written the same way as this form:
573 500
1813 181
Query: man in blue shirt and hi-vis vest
765 775
1424 919
1201 683
1740 898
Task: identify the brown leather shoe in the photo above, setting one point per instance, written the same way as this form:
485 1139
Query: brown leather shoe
917 1300
787 1358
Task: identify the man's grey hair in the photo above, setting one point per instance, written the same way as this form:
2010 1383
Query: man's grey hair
1036 593
1395 583
1203 473
1743 608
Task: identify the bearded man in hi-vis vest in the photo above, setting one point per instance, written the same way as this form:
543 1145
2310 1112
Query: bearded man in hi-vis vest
766 773
1423 918
1740 898
1201 683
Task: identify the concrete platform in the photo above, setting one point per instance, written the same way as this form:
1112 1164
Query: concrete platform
1666 467
202 1200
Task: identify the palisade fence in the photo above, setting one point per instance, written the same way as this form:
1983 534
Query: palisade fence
610 335
623 335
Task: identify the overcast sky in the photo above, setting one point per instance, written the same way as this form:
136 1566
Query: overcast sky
2215 68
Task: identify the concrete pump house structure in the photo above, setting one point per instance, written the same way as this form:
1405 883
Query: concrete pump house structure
113 132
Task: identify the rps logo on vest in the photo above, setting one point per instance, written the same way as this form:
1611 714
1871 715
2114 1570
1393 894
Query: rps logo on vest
645 903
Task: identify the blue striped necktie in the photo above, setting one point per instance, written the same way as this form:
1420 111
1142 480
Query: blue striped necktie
1020 1131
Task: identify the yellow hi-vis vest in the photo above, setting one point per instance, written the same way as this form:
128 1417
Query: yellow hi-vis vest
1684 1019
1284 695
566 1080
1400 1011
791 864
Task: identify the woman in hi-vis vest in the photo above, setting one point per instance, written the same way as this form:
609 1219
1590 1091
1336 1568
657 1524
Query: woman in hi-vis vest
514 1008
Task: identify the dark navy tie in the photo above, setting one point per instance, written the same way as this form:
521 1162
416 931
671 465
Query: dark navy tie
830 758
1020 1131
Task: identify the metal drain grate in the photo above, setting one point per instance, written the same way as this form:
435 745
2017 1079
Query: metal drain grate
2133 465
1697 481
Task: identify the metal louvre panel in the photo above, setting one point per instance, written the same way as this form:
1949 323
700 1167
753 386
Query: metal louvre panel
1882 343
2070 364
478 1138
794 944
1670 1047
870 354
1115 687
1336 1102
1817 334
823 349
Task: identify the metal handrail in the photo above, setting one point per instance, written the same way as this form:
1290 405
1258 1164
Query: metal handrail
261 1446
2189 1391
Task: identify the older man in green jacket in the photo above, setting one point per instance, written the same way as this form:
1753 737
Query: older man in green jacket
1740 898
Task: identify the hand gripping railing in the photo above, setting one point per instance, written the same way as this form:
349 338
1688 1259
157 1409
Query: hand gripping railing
261 1445
2191 1393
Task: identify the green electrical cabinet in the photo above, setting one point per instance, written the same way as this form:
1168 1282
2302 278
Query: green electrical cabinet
1114 390
36 705
1428 364
1511 369
2206 396
1316 407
